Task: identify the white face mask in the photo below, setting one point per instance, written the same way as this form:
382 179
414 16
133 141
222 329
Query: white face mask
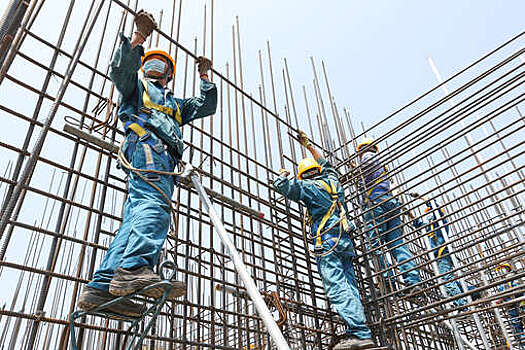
155 68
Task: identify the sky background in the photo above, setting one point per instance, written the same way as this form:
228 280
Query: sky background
375 51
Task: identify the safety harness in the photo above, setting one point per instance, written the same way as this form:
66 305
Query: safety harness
433 228
146 102
331 189
138 124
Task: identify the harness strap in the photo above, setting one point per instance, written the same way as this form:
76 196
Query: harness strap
149 144
137 129
332 191
432 232
441 250
150 164
148 103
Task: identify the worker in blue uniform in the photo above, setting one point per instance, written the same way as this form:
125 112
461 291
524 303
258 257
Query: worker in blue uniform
317 187
382 216
152 119
516 311
434 222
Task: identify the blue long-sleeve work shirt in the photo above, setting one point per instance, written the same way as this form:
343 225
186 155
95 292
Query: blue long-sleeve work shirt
314 196
374 183
124 74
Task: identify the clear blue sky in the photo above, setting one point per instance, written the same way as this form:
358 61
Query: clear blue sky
375 51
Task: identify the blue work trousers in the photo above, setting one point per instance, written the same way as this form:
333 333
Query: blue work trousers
445 265
517 315
337 273
146 217
384 226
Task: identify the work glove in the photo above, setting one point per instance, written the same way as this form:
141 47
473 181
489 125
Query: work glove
303 139
414 195
284 172
204 65
145 23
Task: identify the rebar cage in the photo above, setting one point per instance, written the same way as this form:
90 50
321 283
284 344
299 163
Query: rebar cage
459 145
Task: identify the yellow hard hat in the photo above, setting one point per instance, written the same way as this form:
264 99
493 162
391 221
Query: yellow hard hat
159 52
305 165
504 266
367 141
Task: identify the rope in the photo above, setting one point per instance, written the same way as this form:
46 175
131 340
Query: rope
307 238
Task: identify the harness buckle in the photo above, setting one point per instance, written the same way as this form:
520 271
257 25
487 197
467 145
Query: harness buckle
145 110
153 177
145 136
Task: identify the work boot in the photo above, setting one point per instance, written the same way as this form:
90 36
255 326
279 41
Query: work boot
92 298
126 282
353 343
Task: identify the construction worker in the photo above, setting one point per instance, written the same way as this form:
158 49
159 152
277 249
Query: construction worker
382 216
317 187
152 119
433 224
516 311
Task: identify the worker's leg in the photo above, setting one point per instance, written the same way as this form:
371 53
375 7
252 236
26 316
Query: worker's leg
515 320
145 210
400 250
97 291
149 227
453 288
149 224
337 273
150 211
113 256
376 225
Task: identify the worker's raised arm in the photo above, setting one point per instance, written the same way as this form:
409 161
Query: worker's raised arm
303 140
290 188
206 104
127 59
326 167
125 64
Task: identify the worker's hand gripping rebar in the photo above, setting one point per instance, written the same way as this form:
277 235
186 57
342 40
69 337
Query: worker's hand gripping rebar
145 23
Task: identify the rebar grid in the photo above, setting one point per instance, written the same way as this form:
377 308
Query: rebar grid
59 214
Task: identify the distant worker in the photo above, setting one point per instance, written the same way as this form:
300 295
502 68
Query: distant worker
317 187
152 119
516 311
434 224
382 216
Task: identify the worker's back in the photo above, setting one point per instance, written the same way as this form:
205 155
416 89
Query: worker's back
373 177
314 194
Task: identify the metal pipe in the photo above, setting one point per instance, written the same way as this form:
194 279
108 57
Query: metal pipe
249 284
